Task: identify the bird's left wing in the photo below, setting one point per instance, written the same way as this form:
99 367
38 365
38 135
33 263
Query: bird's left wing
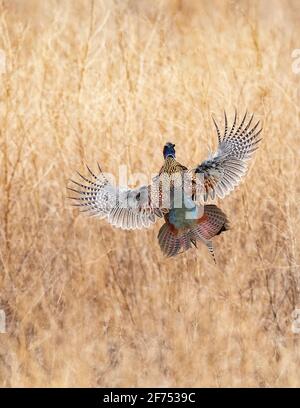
123 208
222 172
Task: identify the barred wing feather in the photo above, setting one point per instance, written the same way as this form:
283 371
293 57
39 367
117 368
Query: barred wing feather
123 208
222 172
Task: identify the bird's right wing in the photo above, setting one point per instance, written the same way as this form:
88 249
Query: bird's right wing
123 208
222 172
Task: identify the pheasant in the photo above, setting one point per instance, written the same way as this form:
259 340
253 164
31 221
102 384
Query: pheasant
177 194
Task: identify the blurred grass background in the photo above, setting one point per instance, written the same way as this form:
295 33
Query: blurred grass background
112 81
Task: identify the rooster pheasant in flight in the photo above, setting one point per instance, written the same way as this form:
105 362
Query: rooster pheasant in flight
176 193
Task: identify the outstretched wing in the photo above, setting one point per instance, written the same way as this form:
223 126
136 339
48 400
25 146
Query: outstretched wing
124 208
222 172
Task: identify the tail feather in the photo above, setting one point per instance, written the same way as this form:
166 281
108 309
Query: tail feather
174 240
211 250
212 223
169 243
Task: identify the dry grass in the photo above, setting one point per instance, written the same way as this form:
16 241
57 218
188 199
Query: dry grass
111 81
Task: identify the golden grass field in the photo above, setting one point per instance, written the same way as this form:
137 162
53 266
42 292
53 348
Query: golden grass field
112 81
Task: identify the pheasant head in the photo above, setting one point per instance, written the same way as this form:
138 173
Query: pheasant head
169 150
